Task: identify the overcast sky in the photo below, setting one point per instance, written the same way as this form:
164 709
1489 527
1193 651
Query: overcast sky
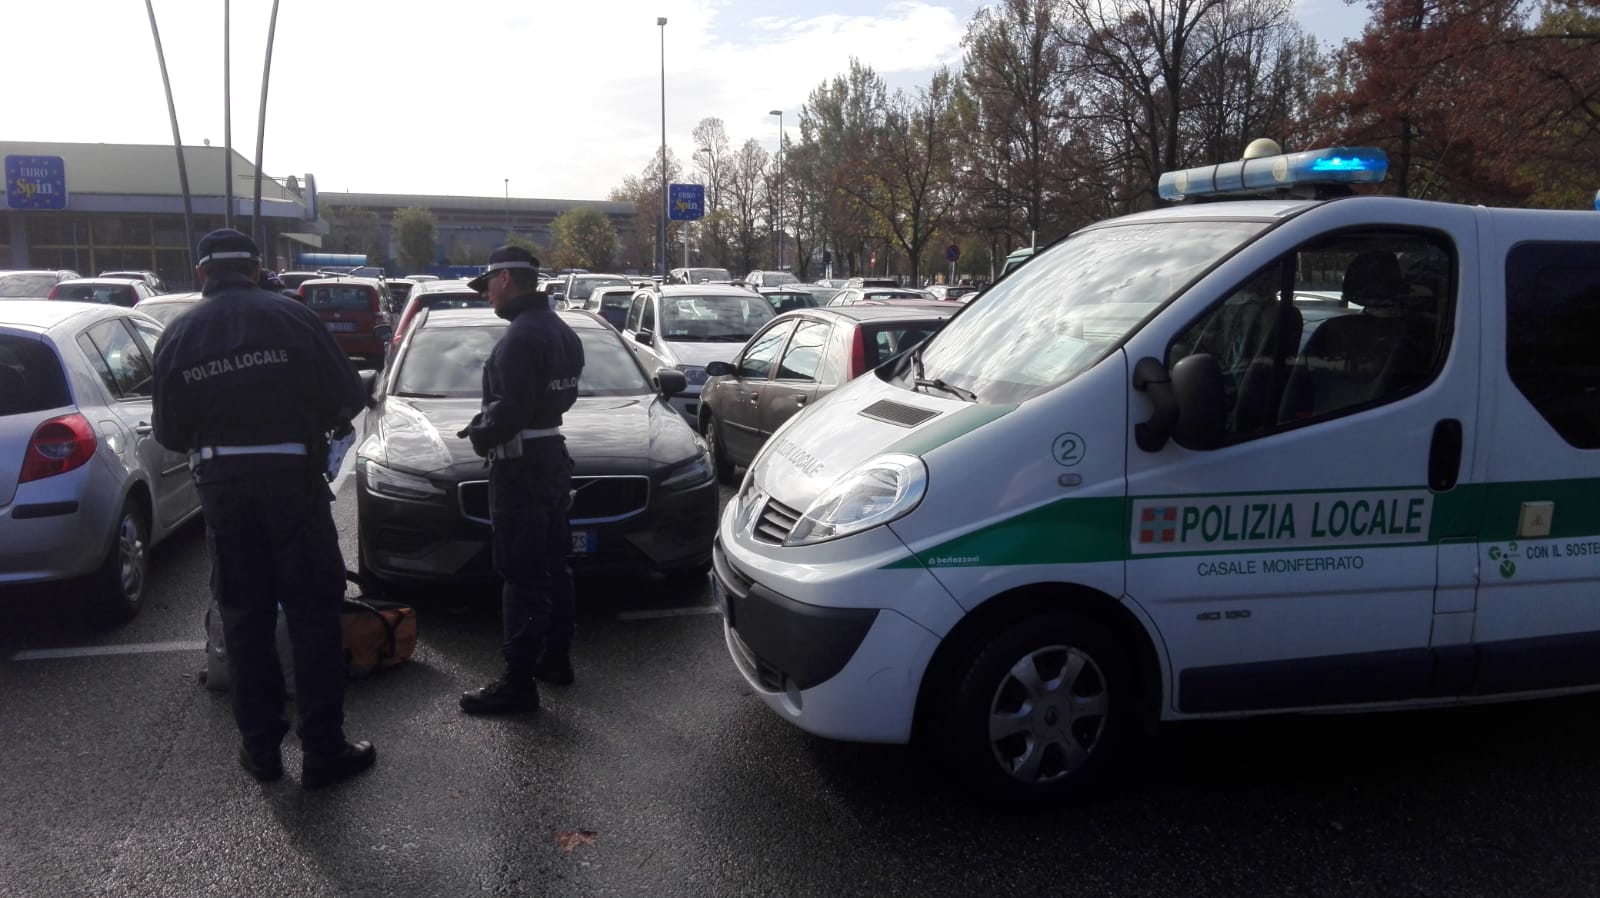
456 96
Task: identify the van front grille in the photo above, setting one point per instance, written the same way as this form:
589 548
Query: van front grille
775 523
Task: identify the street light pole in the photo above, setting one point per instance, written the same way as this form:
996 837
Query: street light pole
661 237
227 122
508 209
778 227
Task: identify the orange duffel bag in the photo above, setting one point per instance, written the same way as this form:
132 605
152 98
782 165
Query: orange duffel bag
377 634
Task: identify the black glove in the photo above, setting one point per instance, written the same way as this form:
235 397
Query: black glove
481 449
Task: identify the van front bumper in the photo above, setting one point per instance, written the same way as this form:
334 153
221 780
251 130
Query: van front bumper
841 673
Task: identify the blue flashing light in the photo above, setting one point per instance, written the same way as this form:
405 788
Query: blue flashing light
1338 165
1597 199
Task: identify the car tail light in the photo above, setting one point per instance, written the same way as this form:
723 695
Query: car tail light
52 294
858 353
58 445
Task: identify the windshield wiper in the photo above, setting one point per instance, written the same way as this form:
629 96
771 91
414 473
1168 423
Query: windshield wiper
938 383
411 395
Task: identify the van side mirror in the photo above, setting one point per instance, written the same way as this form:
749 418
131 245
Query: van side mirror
670 382
719 369
1151 377
383 332
1197 387
645 337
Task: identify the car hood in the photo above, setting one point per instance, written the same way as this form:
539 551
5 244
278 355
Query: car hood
603 433
699 354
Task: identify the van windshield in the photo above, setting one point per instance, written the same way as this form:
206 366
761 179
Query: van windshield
1063 311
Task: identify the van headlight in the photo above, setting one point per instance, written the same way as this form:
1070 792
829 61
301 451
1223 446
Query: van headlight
875 493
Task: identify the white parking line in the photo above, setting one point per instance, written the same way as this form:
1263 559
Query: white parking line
690 611
142 648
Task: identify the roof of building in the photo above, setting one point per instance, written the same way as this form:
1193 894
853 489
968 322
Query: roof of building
488 204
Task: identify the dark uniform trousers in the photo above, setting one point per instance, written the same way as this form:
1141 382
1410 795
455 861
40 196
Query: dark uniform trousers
529 498
274 541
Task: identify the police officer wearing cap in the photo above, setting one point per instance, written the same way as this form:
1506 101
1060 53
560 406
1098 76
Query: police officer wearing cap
250 384
529 380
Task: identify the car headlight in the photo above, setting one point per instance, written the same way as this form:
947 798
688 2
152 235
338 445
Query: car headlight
398 484
691 472
875 493
694 374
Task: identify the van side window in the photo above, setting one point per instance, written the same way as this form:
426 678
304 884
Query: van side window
647 321
1349 322
1552 317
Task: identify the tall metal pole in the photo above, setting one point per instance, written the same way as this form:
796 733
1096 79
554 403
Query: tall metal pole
661 238
256 227
177 142
227 122
508 210
777 230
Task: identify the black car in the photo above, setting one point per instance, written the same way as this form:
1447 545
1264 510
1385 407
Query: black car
644 493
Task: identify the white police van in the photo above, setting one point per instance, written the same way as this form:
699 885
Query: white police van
1220 459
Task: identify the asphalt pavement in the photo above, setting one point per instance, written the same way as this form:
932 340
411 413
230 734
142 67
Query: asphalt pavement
657 773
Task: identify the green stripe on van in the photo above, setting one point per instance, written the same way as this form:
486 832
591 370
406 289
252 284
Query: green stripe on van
947 427
1068 531
1072 531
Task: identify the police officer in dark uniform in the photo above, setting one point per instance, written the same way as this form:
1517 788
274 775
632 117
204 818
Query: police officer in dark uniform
529 380
250 384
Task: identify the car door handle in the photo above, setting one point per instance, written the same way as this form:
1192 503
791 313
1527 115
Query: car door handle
1444 456
800 400
143 428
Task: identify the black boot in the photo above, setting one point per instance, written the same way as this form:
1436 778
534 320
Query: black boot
266 767
507 695
325 770
554 666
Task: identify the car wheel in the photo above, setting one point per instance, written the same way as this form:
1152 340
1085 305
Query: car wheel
719 454
1042 711
119 583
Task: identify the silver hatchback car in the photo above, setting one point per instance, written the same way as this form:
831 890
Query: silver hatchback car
85 490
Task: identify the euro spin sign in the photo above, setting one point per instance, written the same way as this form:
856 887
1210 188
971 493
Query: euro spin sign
686 202
36 182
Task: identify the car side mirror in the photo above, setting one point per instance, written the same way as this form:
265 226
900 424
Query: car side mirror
1151 378
719 369
383 332
369 382
645 337
670 382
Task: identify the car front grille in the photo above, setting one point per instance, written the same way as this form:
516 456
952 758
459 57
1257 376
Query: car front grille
596 500
775 523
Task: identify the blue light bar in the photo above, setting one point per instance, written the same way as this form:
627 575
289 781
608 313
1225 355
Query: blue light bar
1337 165
1597 199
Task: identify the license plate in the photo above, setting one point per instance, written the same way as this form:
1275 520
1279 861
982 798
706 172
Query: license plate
582 542
340 326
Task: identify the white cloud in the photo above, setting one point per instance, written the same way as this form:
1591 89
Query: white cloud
416 96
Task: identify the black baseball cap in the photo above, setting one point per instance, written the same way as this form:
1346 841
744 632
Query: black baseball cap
502 258
226 243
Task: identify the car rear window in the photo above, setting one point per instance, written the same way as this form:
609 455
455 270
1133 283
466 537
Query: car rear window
887 340
464 300
31 379
338 297
21 285
165 312
108 294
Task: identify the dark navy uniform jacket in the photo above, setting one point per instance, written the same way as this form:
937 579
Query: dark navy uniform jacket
531 376
248 367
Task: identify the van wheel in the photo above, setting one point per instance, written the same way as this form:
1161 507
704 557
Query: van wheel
1042 711
719 454
118 586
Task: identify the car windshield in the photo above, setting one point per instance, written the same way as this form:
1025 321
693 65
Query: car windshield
582 287
165 312
23 285
1079 301
338 297
447 362
718 318
31 379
